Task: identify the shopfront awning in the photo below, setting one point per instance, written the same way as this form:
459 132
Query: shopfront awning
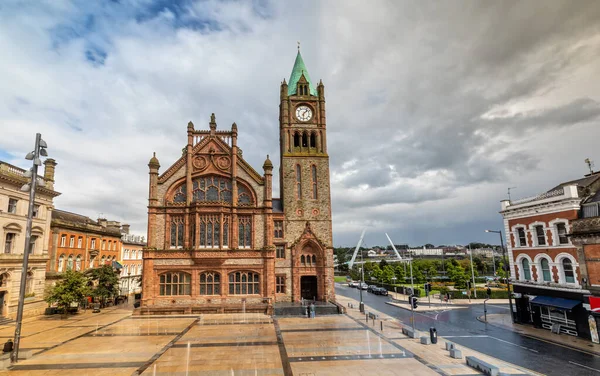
555 302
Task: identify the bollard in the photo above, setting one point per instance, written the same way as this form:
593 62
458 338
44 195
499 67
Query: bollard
367 318
381 322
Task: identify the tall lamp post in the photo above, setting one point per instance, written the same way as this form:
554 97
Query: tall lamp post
40 150
512 316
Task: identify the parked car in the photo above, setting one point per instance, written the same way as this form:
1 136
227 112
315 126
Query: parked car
364 286
353 284
371 287
380 291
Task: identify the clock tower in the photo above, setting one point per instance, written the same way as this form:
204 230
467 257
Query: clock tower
304 184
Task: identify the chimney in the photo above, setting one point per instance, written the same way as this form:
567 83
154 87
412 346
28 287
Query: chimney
125 229
49 167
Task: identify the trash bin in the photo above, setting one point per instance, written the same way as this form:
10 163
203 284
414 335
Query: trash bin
433 335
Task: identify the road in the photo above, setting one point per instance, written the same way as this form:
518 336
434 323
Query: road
462 327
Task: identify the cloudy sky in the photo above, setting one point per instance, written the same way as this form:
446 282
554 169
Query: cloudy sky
434 108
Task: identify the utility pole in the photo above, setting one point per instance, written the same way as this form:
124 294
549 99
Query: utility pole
473 271
40 149
412 308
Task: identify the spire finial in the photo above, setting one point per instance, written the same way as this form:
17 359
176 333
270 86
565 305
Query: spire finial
298 46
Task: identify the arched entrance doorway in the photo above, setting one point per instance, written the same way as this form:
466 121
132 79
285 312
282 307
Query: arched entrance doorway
309 287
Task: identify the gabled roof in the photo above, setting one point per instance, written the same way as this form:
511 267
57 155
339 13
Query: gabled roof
580 183
297 72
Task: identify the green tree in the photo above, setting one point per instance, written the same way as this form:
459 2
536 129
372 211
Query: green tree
73 287
355 272
342 259
382 264
399 272
457 274
387 274
106 281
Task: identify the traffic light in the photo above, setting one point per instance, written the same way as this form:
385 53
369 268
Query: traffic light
427 287
414 301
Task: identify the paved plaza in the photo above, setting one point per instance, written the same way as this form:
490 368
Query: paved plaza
114 342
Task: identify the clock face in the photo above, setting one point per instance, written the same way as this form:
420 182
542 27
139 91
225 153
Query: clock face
303 113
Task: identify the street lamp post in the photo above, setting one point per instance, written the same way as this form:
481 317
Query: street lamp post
128 281
512 316
361 305
40 150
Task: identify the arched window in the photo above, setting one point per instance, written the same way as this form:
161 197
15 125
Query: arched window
526 270
140 255
313 171
568 270
133 255
78 263
296 139
180 194
61 263
210 283
176 283
139 269
304 140
313 140
298 182
545 266
126 255
212 188
244 195
303 260
70 262
244 283
314 260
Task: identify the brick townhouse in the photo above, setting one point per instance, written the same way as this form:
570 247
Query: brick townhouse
550 289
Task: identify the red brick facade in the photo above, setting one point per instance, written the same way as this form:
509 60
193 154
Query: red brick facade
212 241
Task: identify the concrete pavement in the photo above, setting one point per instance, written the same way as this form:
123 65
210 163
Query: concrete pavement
435 356
504 321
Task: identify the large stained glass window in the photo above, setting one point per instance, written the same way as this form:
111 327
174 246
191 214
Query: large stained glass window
177 283
245 231
212 188
210 284
210 231
177 231
244 195
244 283
180 194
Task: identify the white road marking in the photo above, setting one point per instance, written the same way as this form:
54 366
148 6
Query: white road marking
497 306
473 336
514 344
436 316
581 365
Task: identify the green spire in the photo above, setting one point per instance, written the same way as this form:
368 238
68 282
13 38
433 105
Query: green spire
297 71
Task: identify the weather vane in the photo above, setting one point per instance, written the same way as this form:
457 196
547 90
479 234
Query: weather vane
590 165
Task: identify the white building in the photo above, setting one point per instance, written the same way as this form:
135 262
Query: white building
14 207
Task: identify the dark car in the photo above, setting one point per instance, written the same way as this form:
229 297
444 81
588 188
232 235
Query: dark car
371 287
380 291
